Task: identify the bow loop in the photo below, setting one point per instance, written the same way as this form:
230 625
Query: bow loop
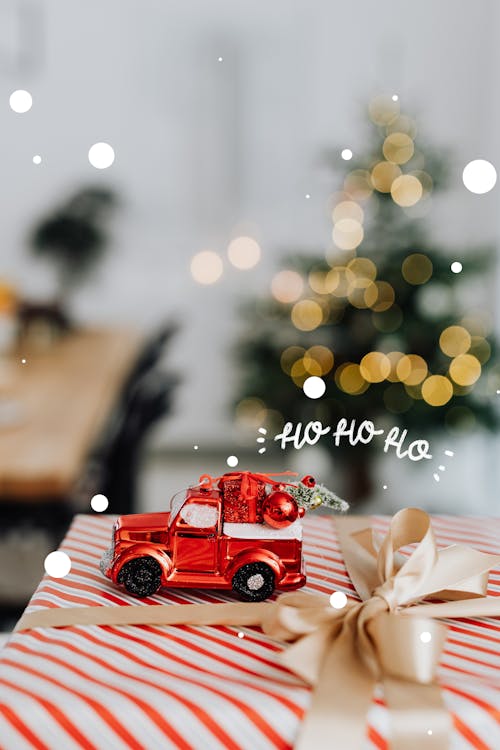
296 615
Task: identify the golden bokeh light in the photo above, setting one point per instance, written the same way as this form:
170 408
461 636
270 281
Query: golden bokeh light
287 286
480 348
307 315
394 358
244 252
465 369
322 356
375 367
425 180
383 175
348 210
411 369
363 267
317 281
385 297
398 148
298 373
383 110
357 185
251 412
406 190
403 124
417 269
340 279
349 379
437 390
311 365
290 355
206 267
362 293
455 340
347 234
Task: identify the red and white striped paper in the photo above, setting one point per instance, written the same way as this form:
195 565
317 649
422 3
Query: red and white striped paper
144 687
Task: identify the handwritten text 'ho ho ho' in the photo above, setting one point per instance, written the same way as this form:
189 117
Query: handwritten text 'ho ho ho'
299 436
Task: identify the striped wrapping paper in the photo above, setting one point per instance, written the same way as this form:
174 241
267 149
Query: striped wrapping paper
102 688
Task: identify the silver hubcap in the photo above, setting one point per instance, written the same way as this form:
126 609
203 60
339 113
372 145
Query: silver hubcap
255 582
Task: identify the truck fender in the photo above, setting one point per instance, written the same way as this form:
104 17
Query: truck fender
256 555
142 550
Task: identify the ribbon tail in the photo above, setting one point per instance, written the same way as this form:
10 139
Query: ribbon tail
418 716
340 701
482 607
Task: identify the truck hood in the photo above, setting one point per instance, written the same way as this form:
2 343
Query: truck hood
143 522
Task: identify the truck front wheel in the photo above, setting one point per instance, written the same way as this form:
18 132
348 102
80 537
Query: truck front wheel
254 581
141 577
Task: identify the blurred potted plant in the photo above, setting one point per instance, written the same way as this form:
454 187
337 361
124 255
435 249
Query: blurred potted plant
73 238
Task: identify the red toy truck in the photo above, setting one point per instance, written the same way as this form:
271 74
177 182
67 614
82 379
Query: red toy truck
213 537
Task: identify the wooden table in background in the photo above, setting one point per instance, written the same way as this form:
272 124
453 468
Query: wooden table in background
65 396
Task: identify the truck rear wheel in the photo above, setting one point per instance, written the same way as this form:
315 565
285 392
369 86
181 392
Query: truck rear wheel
141 577
254 581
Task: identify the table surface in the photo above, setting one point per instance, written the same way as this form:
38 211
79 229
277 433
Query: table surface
61 399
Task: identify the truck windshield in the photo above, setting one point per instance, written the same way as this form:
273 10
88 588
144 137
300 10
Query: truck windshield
176 504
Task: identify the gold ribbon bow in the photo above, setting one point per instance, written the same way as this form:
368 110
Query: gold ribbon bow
386 637
389 636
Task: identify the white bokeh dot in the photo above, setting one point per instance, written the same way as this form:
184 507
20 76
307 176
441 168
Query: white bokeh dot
394 97
57 564
220 59
101 155
196 447
20 101
425 636
37 159
346 154
23 361
338 600
456 266
241 635
307 196
314 387
232 461
99 503
479 176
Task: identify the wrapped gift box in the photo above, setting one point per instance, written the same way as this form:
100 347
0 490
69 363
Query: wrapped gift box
97 687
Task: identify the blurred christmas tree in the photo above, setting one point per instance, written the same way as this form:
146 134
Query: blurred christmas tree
381 318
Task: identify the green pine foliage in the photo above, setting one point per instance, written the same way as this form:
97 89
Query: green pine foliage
311 498
412 324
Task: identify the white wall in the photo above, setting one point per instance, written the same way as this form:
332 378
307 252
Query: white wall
204 149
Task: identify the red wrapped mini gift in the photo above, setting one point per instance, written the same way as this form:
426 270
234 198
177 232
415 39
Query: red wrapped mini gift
225 686
243 496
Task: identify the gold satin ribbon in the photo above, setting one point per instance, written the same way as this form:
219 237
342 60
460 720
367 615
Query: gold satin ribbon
390 636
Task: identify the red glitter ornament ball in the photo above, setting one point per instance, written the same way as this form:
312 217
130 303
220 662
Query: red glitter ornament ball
279 509
309 481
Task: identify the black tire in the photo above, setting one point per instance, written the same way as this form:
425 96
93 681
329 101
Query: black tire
254 581
141 577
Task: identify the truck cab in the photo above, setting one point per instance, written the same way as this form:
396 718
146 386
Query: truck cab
193 546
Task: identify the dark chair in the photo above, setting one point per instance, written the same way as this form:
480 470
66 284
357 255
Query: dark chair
150 356
112 469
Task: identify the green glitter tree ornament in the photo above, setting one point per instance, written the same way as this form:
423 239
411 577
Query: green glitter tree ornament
311 498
